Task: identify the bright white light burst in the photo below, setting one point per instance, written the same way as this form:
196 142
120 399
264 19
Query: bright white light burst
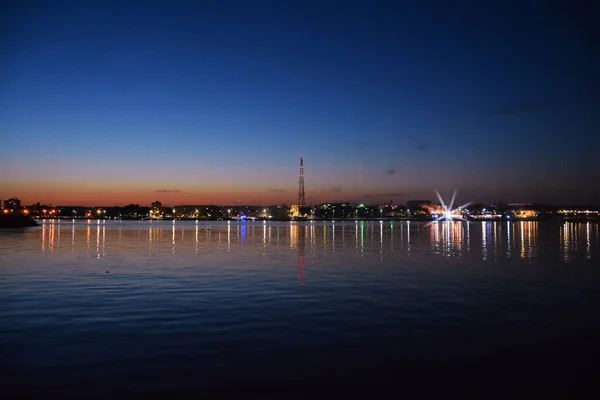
447 209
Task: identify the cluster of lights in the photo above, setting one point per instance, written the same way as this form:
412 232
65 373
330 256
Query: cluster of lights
486 216
439 212
579 212
526 214
447 211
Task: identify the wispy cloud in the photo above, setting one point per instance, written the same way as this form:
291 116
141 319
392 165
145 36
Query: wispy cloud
390 171
335 189
277 190
168 190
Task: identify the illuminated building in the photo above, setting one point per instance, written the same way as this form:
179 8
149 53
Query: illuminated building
156 210
12 205
579 213
432 209
525 214
295 211
523 211
414 206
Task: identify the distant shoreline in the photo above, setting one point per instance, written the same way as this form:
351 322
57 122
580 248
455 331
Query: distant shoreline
391 219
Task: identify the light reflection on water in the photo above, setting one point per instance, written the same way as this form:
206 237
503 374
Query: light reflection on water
578 238
275 300
487 240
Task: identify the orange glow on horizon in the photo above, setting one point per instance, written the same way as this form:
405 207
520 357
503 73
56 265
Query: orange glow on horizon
121 198
109 194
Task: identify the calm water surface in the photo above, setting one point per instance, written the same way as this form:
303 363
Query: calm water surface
278 309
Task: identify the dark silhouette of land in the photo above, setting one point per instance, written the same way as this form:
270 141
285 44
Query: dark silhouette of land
16 221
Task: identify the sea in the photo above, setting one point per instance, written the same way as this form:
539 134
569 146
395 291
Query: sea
262 309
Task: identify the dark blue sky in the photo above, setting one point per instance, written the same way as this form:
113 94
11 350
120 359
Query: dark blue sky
193 102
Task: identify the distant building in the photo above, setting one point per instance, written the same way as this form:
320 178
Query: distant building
197 211
295 211
416 205
70 211
432 209
343 210
523 211
278 212
156 210
132 211
13 204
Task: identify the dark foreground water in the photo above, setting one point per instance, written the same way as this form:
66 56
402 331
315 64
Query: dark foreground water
280 310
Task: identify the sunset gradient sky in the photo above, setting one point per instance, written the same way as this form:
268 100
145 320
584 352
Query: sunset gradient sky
195 102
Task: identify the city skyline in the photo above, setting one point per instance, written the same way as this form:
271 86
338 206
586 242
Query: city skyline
432 200
213 102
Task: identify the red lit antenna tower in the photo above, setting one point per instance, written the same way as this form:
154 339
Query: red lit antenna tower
301 182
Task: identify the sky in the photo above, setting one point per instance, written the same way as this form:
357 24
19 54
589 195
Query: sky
199 102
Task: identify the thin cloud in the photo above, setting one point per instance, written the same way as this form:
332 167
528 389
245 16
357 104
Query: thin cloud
422 146
336 189
390 171
277 190
168 191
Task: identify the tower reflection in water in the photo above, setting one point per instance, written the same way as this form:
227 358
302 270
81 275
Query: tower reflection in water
298 241
301 244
